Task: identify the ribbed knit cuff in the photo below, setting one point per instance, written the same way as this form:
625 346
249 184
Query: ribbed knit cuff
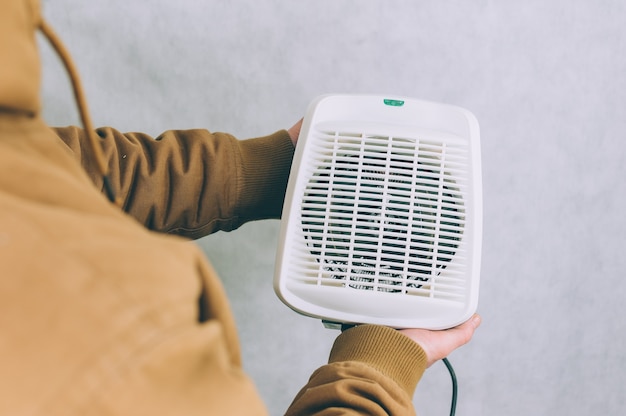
387 350
265 167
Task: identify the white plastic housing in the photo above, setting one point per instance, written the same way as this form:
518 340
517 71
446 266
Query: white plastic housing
382 221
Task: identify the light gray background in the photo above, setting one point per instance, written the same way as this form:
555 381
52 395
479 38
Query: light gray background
546 80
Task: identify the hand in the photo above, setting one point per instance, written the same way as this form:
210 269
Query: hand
294 132
439 344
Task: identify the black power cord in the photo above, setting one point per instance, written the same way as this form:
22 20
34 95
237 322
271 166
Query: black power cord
454 386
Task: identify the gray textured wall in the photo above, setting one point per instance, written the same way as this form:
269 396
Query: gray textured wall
546 80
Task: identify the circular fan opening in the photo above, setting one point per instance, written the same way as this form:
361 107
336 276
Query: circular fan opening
382 229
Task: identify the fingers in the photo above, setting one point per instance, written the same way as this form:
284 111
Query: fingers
459 335
439 344
294 131
464 332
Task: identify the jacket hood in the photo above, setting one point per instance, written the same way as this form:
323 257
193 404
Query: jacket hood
20 73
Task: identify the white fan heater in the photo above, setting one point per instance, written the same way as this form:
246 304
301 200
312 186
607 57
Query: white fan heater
382 221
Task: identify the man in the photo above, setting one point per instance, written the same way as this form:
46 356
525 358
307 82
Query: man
105 308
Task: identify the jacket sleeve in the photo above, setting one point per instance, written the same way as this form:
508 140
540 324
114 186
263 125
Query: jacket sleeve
191 182
372 370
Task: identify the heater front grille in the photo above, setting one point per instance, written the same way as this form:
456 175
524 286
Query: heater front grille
385 214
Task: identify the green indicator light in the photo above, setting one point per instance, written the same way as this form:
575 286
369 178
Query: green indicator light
394 103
